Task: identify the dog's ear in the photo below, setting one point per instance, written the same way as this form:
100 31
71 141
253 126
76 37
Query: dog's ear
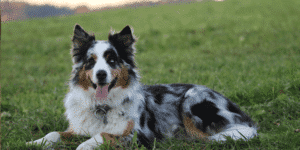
81 43
126 31
80 37
122 40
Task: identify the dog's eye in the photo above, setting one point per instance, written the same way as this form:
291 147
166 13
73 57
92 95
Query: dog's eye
111 61
90 63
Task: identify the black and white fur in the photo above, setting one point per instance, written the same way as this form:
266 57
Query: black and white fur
156 111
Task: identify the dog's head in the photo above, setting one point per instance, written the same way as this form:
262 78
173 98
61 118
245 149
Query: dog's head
103 65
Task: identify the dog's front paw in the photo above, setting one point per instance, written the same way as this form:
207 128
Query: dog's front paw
91 143
46 144
85 146
39 142
47 141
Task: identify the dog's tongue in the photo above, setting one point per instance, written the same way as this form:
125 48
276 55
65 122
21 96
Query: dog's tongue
101 93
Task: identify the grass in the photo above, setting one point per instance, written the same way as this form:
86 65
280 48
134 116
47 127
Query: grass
247 50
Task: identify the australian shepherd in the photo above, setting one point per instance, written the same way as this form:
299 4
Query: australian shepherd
106 99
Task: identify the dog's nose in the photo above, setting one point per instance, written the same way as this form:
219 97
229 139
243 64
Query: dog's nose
101 74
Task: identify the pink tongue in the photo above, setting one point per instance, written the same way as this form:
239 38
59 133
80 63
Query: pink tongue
101 93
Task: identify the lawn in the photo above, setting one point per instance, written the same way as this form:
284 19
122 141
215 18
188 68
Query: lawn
248 50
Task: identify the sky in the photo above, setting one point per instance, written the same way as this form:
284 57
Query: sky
74 3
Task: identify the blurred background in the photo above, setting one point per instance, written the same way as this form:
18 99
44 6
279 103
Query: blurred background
19 10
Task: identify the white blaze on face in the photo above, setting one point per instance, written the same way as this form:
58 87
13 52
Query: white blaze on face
101 64
101 91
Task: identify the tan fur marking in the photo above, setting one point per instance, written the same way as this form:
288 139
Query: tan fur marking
67 136
89 76
113 137
95 57
84 78
109 137
127 131
192 130
122 74
115 72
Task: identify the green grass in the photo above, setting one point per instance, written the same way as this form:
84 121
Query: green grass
247 50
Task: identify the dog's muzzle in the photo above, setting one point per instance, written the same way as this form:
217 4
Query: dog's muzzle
112 84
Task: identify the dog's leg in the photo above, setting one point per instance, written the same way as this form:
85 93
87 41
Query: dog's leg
112 137
52 138
91 143
192 130
98 139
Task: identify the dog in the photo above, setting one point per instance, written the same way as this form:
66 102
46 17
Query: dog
106 100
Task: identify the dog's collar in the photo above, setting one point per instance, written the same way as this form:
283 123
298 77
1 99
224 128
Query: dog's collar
101 111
